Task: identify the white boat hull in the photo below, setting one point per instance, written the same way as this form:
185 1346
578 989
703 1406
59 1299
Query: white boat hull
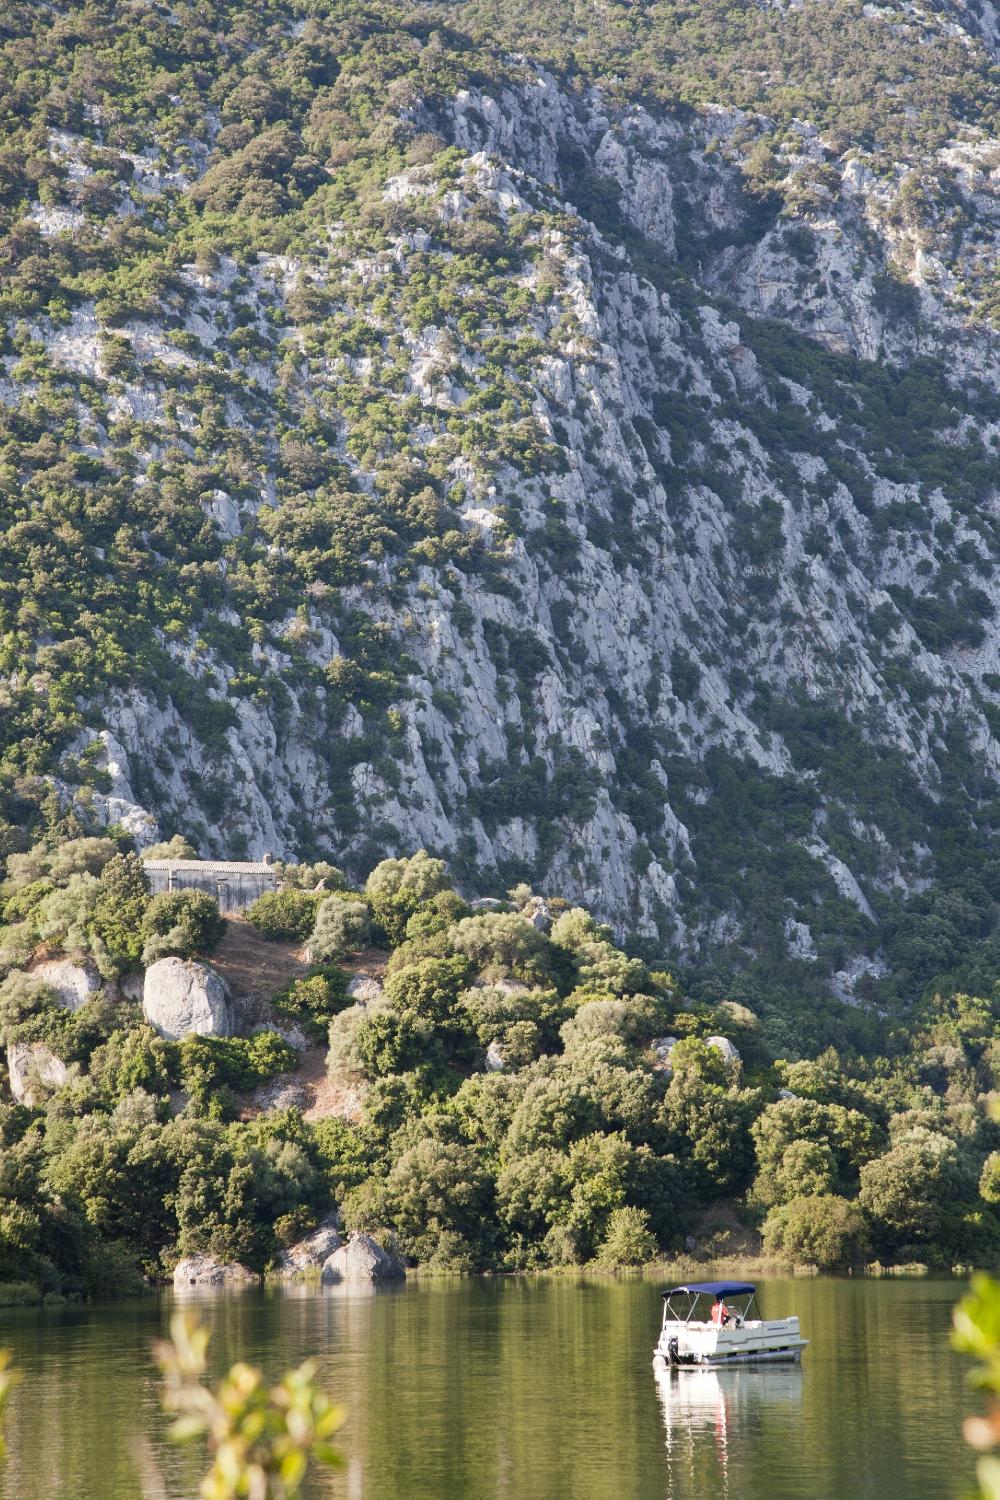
761 1341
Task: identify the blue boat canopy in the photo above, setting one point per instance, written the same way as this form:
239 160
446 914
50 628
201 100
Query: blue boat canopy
714 1289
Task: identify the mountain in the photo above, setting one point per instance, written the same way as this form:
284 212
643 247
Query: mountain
564 438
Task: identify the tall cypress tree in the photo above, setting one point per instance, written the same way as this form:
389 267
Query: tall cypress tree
118 913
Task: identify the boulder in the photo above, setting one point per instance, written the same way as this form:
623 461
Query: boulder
312 1251
364 989
495 1060
72 983
34 1069
293 1035
205 1270
722 1044
362 1259
282 1092
131 985
661 1048
537 912
181 998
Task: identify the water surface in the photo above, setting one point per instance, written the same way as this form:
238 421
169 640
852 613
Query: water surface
521 1389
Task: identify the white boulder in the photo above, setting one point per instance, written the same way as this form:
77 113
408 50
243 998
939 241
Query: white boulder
183 998
364 989
205 1270
537 912
495 1060
34 1069
362 1259
723 1045
312 1251
72 983
661 1048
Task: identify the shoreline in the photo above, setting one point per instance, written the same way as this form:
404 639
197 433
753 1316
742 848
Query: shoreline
677 1271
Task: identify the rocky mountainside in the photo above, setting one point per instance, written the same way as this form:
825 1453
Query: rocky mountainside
582 463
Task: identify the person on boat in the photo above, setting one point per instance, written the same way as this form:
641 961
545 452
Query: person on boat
720 1313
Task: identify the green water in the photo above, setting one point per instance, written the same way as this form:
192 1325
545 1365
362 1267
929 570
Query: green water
520 1389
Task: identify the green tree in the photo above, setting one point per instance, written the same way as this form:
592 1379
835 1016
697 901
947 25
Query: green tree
914 1195
821 1230
119 909
340 927
285 916
181 923
397 887
628 1240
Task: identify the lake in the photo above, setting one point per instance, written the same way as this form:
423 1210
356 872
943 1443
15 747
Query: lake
522 1388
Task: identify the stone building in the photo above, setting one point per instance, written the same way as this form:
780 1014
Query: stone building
236 883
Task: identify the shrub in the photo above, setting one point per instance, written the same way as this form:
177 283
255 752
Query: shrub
824 1231
30 1012
285 916
210 1066
629 1240
134 1058
502 943
341 927
181 923
173 848
314 1000
397 887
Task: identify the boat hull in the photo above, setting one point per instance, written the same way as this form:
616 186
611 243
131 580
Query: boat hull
718 1361
687 1345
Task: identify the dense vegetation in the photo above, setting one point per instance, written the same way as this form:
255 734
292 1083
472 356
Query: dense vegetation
520 1094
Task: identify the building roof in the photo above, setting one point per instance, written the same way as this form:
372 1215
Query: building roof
213 866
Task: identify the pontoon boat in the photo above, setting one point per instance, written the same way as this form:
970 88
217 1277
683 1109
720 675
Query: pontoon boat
719 1323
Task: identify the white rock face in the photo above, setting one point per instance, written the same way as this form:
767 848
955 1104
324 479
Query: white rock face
34 1070
182 998
495 1060
72 983
714 565
723 1045
661 1048
312 1251
364 989
206 1271
361 1260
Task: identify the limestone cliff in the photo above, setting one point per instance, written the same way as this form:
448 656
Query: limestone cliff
703 630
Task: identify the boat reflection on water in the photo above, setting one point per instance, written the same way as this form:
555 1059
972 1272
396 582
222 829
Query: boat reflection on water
710 1415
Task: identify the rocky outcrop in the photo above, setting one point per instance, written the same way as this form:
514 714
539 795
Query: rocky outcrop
725 1048
723 572
362 1260
206 1271
364 989
661 1048
34 1071
183 998
73 983
312 1252
283 1092
495 1060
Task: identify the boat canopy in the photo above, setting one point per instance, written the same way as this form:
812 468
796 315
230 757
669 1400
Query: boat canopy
714 1289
